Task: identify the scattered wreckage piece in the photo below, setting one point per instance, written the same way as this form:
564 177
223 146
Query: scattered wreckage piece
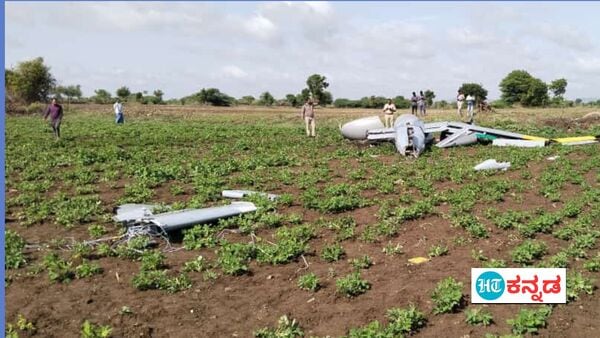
246 193
357 129
492 164
129 212
132 215
504 142
410 138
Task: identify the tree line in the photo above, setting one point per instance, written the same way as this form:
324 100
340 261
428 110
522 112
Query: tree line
31 81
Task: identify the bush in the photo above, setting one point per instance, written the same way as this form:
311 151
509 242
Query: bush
405 321
332 253
352 285
447 296
529 321
478 316
13 246
309 282
89 330
528 251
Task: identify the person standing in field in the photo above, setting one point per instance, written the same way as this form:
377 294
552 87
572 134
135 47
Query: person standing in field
422 104
55 111
413 103
388 113
308 115
118 107
470 103
460 98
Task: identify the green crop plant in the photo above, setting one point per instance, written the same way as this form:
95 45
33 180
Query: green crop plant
578 284
447 296
286 328
528 251
478 316
332 253
197 265
363 262
233 258
352 285
309 282
87 269
89 330
530 321
13 246
438 250
58 269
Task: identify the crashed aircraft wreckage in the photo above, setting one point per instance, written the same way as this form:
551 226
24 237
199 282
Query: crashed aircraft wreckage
141 215
411 135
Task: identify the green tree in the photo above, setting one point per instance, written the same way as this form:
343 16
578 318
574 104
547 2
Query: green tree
520 86
123 93
536 95
246 100
401 103
316 86
213 97
558 87
102 96
30 81
69 91
474 89
266 99
326 98
429 96
159 95
303 96
373 101
291 100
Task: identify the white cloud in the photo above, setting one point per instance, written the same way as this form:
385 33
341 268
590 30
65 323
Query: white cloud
234 72
588 64
563 35
469 37
261 27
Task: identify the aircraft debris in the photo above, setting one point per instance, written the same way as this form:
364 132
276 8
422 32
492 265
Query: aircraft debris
492 164
410 134
245 193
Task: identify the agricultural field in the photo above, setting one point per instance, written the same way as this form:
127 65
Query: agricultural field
329 258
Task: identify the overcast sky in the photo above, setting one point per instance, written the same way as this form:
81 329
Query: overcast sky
370 48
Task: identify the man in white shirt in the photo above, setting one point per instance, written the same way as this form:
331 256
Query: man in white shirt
470 103
118 107
388 113
460 98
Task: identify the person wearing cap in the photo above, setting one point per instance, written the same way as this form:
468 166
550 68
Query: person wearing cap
308 115
55 111
388 113
118 107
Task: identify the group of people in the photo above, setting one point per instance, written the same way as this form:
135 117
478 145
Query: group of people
460 98
55 112
418 105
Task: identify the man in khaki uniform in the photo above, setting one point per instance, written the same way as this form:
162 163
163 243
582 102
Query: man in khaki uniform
308 115
388 113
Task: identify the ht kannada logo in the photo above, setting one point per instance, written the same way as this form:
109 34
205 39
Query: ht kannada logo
490 285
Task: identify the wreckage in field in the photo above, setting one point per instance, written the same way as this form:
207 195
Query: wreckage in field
411 135
142 215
